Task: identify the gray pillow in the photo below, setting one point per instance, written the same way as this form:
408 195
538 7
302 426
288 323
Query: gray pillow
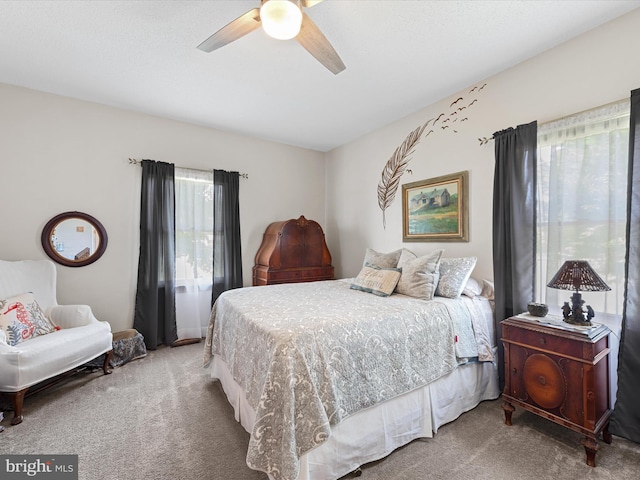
454 273
419 274
383 260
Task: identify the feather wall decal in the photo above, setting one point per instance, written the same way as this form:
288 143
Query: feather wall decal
395 168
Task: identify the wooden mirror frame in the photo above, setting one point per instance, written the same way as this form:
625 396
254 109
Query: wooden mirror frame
49 249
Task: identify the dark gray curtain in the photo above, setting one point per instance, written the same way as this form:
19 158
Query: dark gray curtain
155 309
514 224
625 421
227 253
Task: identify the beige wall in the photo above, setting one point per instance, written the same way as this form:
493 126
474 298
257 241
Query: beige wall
59 154
591 70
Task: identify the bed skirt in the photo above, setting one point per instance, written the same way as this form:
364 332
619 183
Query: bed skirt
375 432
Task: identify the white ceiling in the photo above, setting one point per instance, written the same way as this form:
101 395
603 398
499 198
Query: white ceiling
400 55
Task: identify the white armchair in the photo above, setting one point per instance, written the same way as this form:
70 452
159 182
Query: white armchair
31 363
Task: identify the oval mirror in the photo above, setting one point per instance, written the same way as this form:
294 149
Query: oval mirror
74 239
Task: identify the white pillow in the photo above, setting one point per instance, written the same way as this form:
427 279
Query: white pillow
473 288
454 273
419 274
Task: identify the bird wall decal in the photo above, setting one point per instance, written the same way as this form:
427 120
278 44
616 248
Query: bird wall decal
397 164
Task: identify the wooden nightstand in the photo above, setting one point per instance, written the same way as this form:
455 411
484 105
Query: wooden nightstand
559 374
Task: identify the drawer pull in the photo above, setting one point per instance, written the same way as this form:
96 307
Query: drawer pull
514 370
543 341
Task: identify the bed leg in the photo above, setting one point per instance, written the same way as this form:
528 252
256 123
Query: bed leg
357 472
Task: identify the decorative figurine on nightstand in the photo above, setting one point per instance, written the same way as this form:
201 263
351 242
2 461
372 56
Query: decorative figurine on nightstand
578 275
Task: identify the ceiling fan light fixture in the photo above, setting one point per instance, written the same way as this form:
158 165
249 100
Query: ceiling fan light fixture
281 19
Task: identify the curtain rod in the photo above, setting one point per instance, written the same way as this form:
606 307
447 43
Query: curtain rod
485 140
133 161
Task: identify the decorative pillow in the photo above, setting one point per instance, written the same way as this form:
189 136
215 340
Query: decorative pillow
488 289
419 274
21 318
377 280
473 288
454 273
383 260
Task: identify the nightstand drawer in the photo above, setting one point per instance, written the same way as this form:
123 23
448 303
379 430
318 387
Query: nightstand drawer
546 342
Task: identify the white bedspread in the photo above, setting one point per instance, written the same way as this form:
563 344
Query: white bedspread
308 355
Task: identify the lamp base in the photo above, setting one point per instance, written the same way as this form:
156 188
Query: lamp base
577 313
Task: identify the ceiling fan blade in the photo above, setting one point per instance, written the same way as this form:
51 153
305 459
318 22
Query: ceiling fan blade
309 3
234 30
312 39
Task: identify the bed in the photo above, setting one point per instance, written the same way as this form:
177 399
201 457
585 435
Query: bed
326 378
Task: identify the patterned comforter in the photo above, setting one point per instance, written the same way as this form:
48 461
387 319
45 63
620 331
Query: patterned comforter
308 355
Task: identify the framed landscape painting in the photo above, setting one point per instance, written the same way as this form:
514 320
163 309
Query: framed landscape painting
437 209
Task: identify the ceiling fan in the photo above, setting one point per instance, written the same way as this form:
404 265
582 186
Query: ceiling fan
281 19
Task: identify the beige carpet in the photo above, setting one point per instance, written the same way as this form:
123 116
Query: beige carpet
162 417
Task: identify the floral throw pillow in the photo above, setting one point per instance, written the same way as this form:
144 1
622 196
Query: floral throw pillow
21 318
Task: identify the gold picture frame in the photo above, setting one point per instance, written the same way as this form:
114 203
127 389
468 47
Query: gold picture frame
436 209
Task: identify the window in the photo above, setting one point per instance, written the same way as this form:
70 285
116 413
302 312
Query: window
194 227
194 251
582 199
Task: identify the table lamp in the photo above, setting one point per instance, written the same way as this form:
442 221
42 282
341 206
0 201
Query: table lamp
579 276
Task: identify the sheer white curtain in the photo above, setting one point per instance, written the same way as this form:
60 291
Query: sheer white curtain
194 251
582 199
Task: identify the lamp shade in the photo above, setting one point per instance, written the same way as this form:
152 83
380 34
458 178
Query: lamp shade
579 276
281 19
